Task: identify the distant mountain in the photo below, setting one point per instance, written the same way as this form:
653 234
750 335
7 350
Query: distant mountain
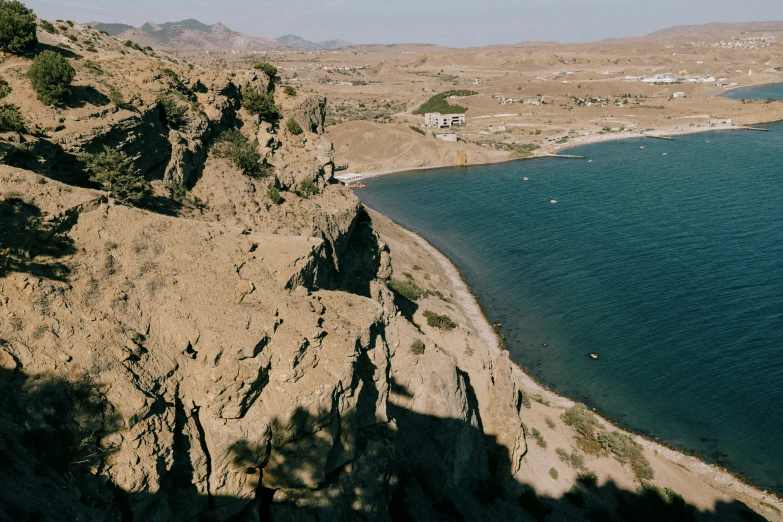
191 34
716 28
112 29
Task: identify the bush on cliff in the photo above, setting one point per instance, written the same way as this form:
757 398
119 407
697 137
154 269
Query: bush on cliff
307 189
51 76
259 104
268 69
293 127
274 195
115 171
173 113
408 289
235 147
442 322
10 119
5 89
17 27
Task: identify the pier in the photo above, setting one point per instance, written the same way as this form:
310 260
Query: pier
667 138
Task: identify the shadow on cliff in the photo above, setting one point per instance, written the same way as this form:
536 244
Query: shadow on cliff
29 244
56 436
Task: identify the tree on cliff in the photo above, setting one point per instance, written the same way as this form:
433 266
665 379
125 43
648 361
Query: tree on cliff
51 76
17 27
114 170
261 104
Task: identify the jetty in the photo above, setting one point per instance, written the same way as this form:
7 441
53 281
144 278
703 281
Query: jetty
566 156
667 138
761 129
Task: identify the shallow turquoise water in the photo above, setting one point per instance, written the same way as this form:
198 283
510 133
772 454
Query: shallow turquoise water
669 266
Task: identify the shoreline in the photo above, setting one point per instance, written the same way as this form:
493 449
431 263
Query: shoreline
708 472
551 150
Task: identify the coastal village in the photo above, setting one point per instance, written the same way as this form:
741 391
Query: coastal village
528 100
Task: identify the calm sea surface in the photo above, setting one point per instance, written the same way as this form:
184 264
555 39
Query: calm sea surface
763 92
668 266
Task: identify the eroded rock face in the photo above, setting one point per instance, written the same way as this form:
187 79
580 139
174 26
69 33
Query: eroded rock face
311 114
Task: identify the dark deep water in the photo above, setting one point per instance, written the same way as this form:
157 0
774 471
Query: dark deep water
670 267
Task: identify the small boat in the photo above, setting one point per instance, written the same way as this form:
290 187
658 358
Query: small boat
554 201
589 161
641 147
664 154
525 179
594 356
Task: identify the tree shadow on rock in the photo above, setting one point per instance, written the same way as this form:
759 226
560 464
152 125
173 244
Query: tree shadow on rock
31 244
83 95
56 436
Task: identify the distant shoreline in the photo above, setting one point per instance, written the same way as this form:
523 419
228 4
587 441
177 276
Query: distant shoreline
550 150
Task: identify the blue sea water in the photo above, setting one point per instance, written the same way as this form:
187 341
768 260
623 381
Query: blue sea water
670 267
763 92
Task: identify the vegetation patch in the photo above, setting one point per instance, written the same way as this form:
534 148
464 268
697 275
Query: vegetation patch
10 119
417 347
289 90
17 27
550 423
416 128
116 98
653 503
274 195
553 473
173 113
538 437
442 322
408 289
307 189
262 105
5 89
580 418
51 76
115 171
235 147
627 451
268 69
588 479
293 127
439 103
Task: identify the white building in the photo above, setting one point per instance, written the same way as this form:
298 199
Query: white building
443 121
531 101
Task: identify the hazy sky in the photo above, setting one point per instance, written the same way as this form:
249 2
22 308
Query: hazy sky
456 23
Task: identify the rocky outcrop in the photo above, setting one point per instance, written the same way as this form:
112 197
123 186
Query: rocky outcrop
311 114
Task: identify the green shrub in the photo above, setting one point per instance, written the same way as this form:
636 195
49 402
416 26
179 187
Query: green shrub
235 147
580 418
538 437
5 89
116 97
523 399
269 69
442 322
550 423
438 103
10 119
51 76
417 347
91 49
48 27
17 27
553 473
177 191
173 113
289 90
115 171
307 189
261 104
415 128
274 195
627 451
408 289
294 127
